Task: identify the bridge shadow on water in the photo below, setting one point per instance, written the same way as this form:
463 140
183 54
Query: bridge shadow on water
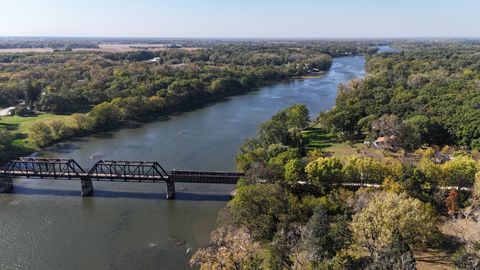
98 193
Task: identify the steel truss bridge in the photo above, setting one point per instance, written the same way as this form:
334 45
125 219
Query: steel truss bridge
107 170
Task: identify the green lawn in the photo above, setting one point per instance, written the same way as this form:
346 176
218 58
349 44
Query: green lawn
328 143
20 126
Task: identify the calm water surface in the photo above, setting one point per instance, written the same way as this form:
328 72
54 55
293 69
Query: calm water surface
45 224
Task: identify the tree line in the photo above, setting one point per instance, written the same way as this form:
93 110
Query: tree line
426 94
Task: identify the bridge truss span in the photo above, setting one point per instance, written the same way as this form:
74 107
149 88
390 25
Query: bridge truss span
143 171
44 168
108 170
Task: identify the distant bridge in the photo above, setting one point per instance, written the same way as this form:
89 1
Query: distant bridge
107 170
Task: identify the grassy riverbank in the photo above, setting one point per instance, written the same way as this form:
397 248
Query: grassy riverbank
20 126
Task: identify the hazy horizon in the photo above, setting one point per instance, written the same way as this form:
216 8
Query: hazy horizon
247 19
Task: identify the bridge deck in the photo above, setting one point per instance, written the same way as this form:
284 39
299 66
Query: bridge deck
112 170
175 176
107 170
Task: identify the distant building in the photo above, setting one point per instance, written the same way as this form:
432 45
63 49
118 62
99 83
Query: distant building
155 59
386 142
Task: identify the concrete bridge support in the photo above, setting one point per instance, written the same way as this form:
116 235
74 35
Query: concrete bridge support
87 186
170 190
6 184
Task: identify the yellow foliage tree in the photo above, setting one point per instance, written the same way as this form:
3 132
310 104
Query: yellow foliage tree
374 226
229 249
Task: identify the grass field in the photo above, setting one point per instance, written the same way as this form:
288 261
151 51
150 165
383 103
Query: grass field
328 143
20 126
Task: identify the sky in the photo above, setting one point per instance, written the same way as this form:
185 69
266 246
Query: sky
241 18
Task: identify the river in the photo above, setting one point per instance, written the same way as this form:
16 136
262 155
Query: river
45 224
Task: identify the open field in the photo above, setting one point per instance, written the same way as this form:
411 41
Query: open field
26 50
103 47
20 126
328 143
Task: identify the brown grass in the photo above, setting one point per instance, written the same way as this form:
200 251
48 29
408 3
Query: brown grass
103 47
26 50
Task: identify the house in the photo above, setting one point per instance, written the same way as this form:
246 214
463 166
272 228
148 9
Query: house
386 142
153 60
8 111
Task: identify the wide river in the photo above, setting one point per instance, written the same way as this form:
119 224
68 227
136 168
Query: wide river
46 225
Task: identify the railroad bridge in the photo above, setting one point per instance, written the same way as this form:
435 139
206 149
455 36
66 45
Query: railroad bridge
107 170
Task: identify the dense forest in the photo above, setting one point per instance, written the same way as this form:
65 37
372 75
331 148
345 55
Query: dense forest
304 208
116 87
427 94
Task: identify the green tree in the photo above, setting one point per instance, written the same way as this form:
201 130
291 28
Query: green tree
315 237
324 171
82 122
387 125
259 208
365 170
6 139
460 171
294 171
297 116
105 115
58 129
41 134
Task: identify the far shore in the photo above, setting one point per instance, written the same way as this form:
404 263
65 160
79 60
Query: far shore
103 47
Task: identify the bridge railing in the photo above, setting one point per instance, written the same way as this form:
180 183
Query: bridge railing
206 177
128 170
44 167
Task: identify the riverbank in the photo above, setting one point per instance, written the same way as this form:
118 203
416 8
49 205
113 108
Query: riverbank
25 145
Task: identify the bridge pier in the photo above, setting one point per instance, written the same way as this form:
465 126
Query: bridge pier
87 186
170 190
6 184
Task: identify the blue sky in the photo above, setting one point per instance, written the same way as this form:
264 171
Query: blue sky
241 18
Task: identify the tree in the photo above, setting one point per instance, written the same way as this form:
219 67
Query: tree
58 129
476 188
259 208
273 132
415 183
41 134
55 102
294 171
32 93
460 171
315 237
297 116
451 202
324 236
324 171
373 228
397 256
415 131
6 139
105 115
387 125
365 170
228 250
82 122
